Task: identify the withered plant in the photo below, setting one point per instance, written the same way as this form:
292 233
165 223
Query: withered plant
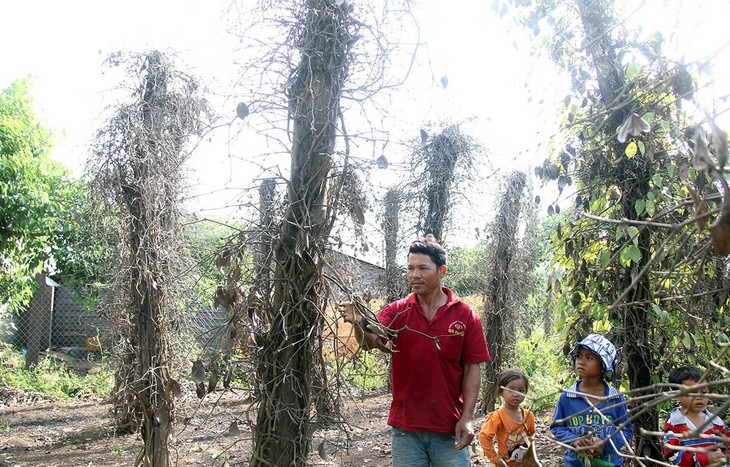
138 159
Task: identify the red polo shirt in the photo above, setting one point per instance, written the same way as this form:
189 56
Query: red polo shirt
428 362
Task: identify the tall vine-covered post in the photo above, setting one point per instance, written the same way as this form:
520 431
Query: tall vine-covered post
444 166
442 151
148 277
499 307
393 277
140 154
285 390
634 182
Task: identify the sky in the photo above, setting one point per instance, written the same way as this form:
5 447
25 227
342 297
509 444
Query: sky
507 96
63 45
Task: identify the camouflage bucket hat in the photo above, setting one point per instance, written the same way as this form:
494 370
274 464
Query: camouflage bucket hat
604 348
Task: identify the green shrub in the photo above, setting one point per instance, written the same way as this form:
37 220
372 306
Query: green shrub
540 358
51 377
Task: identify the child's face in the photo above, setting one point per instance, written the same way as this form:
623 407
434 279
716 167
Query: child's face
693 404
587 363
514 393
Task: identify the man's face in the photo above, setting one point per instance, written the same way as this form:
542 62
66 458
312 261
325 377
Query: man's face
423 274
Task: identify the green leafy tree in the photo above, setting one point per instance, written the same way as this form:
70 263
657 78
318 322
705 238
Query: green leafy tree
37 198
632 257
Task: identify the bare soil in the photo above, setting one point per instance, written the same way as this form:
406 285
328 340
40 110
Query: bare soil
212 432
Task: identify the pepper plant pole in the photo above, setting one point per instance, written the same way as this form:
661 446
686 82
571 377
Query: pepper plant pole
394 278
442 152
499 308
635 175
150 323
283 427
151 223
139 154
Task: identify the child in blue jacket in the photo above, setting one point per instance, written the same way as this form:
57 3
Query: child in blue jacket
589 413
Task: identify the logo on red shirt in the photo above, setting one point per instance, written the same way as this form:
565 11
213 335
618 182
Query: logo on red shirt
457 328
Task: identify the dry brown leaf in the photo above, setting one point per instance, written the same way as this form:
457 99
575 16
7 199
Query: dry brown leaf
700 209
198 372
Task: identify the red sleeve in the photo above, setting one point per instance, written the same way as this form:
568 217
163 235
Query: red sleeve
475 345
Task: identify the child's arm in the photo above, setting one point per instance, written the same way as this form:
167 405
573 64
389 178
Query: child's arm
620 439
676 454
530 422
683 458
559 430
486 437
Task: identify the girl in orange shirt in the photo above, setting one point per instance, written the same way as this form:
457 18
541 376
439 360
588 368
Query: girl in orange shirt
512 425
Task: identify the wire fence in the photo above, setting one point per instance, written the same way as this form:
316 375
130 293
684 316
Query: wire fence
56 320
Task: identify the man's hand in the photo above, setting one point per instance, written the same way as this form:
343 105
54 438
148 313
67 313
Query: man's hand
348 313
583 446
464 434
368 331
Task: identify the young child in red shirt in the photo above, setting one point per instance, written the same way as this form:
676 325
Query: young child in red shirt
512 425
693 414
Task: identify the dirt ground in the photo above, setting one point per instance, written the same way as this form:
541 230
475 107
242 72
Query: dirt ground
214 432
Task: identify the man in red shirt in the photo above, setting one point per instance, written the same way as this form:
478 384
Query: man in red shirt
437 347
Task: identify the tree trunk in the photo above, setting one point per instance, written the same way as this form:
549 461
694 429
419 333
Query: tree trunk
499 313
262 256
150 279
636 336
153 379
283 428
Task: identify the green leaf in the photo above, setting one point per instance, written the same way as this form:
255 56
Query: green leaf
632 70
605 257
672 169
686 340
650 208
624 257
642 149
662 315
633 253
640 205
657 179
634 234
631 150
619 233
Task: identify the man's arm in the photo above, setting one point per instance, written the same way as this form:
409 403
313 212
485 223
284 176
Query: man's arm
366 340
469 392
